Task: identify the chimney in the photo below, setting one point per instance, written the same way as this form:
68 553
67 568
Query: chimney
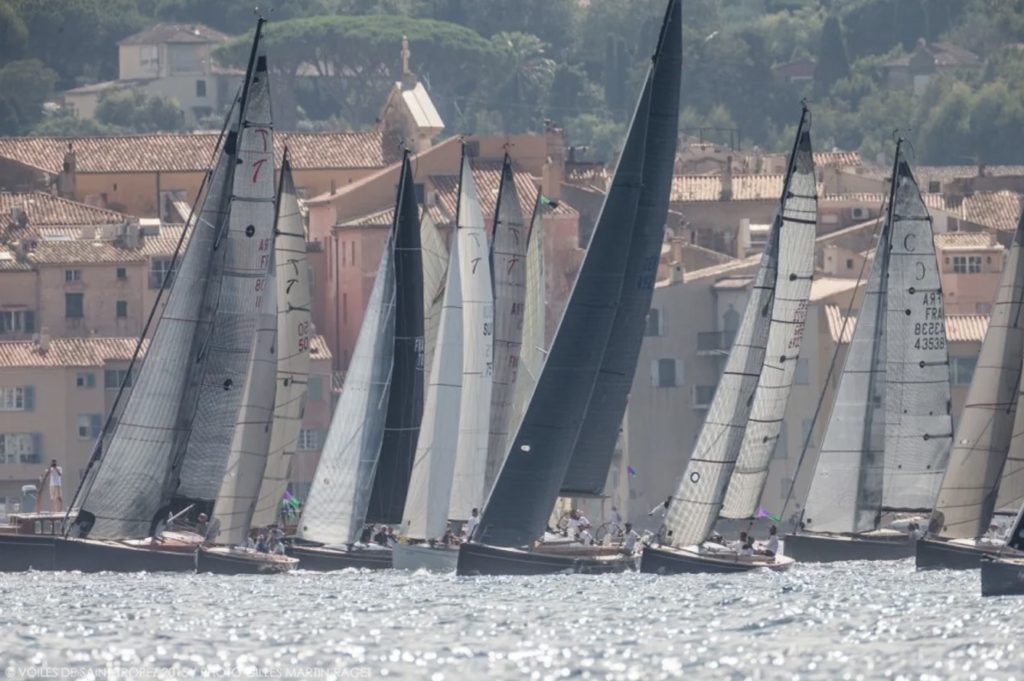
19 218
88 232
43 341
675 273
131 234
981 170
726 194
66 180
553 173
743 238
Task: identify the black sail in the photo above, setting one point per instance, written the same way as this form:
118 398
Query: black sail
592 455
528 484
405 400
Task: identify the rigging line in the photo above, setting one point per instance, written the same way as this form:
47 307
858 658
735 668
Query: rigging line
96 454
831 368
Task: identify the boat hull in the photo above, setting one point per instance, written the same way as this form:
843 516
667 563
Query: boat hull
21 552
323 559
93 555
480 559
937 554
220 560
670 561
1002 576
423 557
824 548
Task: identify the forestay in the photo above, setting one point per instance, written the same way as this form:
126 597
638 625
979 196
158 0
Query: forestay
293 348
478 347
426 507
798 214
508 264
984 436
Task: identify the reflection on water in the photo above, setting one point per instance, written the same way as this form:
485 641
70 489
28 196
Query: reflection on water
854 620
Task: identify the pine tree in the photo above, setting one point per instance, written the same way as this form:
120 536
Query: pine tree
833 64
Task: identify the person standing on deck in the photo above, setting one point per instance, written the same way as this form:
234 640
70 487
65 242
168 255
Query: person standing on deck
474 520
56 494
629 539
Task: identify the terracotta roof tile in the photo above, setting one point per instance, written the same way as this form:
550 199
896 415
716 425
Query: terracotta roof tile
837 158
960 240
193 152
744 187
44 209
175 33
960 328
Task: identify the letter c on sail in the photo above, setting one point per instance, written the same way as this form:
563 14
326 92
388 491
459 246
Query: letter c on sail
910 242
920 271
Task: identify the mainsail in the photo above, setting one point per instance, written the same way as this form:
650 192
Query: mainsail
405 400
293 338
797 224
132 481
525 490
888 437
762 360
978 464
478 348
508 266
435 270
345 479
426 507
595 444
534 345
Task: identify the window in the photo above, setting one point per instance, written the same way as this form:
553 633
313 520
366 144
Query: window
74 305
666 373
802 375
21 398
983 308
934 187
149 55
72 276
419 192
158 269
315 388
344 308
309 438
122 309
89 426
200 88
654 327
20 448
352 251
122 273
702 396
849 263
961 369
966 264
17 321
85 379
112 378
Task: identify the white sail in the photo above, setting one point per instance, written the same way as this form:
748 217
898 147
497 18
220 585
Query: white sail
799 214
990 423
247 460
778 298
293 338
509 263
478 343
435 270
242 256
335 508
426 505
534 344
889 433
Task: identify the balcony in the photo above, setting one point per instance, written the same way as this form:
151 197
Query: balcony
715 342
703 395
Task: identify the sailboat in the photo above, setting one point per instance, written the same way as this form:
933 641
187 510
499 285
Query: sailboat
622 259
745 417
173 436
889 433
533 349
281 343
1003 574
985 467
331 533
461 359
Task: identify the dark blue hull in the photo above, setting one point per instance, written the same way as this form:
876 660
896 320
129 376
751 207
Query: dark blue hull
481 559
21 552
322 559
666 561
824 548
1002 577
936 554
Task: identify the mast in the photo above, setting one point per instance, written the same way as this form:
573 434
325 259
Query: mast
595 445
508 268
426 507
536 465
405 399
985 439
478 345
293 347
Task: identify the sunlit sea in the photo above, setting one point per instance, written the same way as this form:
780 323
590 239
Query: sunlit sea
841 621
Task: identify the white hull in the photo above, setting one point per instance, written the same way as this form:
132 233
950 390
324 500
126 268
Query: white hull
423 557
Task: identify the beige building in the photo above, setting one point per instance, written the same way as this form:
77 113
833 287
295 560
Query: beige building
55 394
168 60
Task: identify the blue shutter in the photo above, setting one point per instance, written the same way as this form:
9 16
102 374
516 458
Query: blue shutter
95 425
37 446
30 321
30 397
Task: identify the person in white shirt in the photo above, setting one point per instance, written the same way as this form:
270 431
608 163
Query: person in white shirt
471 524
630 538
56 480
585 537
747 550
773 542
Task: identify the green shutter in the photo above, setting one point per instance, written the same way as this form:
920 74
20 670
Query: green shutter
30 397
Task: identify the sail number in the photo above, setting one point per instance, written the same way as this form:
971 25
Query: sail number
303 330
931 333
799 320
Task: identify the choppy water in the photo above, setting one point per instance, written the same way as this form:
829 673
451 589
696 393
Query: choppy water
854 620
